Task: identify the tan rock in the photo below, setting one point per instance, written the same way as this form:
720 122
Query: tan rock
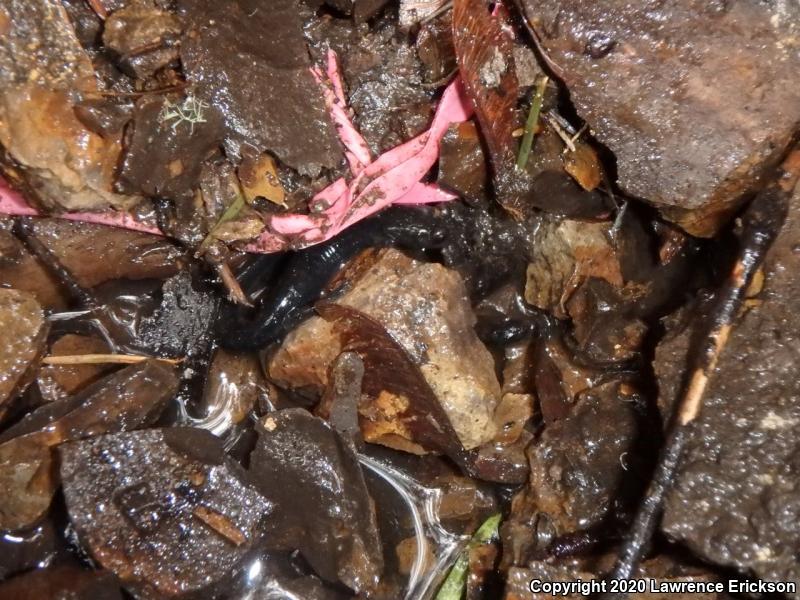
23 330
425 308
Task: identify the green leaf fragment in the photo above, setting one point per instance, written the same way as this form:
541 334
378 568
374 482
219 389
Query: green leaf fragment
229 215
455 584
531 123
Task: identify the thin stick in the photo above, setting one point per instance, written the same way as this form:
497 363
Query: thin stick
100 359
762 221
235 292
566 137
532 123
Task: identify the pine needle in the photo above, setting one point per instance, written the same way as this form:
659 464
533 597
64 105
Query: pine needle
101 359
532 123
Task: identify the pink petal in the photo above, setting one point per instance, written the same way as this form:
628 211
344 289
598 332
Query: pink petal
426 193
13 204
356 149
394 177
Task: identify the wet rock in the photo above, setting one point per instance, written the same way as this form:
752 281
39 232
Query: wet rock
39 42
462 165
25 550
21 270
425 309
43 72
23 331
274 103
655 84
63 582
361 10
435 48
504 463
125 254
57 381
164 509
585 469
737 489
556 193
180 325
563 253
88 26
128 399
322 506
104 116
384 78
605 327
233 386
143 36
164 156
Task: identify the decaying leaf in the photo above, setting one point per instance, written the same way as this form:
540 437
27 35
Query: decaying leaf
485 57
259 179
229 215
584 166
240 229
401 409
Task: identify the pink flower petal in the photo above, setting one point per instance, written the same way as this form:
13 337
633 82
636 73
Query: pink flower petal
393 178
356 149
426 193
13 204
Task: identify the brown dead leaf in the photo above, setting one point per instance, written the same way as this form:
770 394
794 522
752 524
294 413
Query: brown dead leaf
399 409
584 166
244 229
259 178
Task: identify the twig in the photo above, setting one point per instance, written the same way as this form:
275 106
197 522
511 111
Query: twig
553 119
447 5
100 359
235 292
532 123
762 221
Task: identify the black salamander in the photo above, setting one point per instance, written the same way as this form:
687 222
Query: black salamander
305 273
